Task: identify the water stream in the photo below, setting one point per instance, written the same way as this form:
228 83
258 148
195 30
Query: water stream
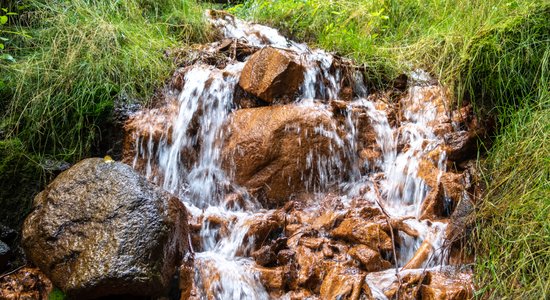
224 269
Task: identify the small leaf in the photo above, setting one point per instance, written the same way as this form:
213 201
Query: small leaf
7 57
3 20
4 39
1 46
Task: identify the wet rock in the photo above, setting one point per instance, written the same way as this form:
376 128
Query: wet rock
264 256
309 272
186 279
446 191
264 228
421 255
243 99
327 219
272 74
342 283
357 230
300 295
406 288
446 286
313 243
147 127
459 230
267 254
285 256
370 260
101 229
25 283
209 276
272 278
267 150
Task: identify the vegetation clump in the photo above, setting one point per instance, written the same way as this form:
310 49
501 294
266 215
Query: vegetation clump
70 62
81 56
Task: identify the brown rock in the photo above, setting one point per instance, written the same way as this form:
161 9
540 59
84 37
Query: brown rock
342 283
444 194
101 229
267 150
262 227
309 272
264 256
25 283
272 278
371 260
285 256
327 219
300 294
147 125
406 288
357 230
267 254
272 74
186 280
461 145
445 286
313 243
421 255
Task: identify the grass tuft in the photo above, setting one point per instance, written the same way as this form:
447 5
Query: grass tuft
81 57
512 240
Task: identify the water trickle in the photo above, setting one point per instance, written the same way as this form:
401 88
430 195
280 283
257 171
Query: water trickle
185 159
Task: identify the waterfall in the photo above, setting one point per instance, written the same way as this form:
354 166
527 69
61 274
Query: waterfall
186 161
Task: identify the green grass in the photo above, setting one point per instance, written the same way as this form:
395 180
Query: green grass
81 57
494 54
450 38
513 236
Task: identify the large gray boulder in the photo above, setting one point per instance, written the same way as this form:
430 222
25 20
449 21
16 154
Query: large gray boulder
101 229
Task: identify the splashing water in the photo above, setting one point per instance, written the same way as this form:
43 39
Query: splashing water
187 160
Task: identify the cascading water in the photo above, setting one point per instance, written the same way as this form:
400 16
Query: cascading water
186 161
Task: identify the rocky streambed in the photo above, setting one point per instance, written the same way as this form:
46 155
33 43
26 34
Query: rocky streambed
269 170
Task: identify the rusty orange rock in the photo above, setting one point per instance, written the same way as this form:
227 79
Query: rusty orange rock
342 283
272 278
371 260
358 230
267 149
444 193
446 286
272 74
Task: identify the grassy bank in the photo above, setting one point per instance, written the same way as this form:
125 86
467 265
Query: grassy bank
79 58
495 54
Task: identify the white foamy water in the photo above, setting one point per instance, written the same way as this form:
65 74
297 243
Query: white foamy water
188 162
